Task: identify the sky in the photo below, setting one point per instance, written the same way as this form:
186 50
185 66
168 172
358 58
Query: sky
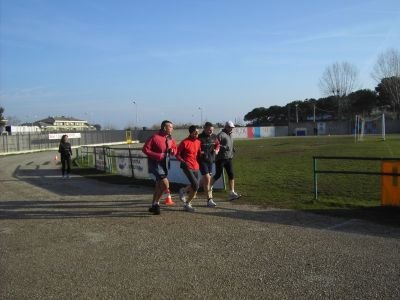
126 63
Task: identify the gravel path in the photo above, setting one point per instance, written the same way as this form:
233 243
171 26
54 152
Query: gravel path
83 239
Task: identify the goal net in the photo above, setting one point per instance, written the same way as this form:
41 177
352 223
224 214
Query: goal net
374 127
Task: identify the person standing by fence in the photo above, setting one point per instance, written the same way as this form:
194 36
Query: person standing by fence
66 153
188 153
159 147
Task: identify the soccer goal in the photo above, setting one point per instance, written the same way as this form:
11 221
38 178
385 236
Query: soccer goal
369 127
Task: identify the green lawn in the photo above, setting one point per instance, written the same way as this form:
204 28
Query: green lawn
278 171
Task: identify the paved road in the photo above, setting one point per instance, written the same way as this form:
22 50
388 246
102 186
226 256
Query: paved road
83 239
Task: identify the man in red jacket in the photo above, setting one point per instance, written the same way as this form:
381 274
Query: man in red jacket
159 148
188 153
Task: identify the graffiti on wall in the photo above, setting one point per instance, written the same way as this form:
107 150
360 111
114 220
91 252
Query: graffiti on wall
253 132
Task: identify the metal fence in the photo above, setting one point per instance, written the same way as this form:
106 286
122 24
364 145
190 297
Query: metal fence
349 158
104 158
41 141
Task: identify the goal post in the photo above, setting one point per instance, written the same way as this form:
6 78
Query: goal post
366 127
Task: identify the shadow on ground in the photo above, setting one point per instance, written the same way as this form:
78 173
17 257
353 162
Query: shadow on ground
51 180
72 209
383 215
387 216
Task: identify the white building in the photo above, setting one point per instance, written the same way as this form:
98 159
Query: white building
63 124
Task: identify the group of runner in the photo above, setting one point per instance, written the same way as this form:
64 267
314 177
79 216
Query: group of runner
197 152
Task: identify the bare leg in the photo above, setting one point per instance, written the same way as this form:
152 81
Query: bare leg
212 181
206 185
161 186
232 184
192 194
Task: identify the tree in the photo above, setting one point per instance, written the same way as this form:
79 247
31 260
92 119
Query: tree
363 101
384 98
326 108
387 72
339 80
257 116
97 126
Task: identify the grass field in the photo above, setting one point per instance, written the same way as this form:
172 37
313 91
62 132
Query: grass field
279 171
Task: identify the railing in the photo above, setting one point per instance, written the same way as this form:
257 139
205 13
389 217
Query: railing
40 141
316 172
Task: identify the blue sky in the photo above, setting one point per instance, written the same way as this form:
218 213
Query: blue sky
91 59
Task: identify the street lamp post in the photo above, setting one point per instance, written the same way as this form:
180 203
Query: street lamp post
297 114
136 120
201 116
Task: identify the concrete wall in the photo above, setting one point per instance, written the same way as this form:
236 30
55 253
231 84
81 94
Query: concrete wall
238 132
392 126
339 127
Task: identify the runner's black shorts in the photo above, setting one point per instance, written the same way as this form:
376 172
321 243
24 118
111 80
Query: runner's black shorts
222 164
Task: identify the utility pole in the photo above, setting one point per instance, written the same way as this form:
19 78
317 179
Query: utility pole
315 127
136 106
314 114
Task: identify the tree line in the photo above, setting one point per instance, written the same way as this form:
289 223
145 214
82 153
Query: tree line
342 101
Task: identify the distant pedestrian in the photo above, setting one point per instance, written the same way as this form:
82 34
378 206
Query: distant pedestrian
159 148
209 145
66 154
188 154
224 159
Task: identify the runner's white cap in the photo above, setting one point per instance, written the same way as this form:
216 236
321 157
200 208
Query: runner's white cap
229 124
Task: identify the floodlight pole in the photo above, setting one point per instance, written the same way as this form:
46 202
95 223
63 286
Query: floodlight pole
201 116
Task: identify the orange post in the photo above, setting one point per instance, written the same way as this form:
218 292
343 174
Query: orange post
390 184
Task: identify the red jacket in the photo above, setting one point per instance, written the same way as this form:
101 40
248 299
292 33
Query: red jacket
156 146
189 151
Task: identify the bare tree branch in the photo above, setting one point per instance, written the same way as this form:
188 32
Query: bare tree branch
387 72
339 80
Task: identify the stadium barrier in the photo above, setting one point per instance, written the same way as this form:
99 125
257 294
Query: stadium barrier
390 173
131 162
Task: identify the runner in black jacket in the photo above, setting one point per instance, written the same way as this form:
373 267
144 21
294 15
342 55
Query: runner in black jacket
209 146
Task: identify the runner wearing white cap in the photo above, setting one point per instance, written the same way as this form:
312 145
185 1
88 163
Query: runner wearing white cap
224 159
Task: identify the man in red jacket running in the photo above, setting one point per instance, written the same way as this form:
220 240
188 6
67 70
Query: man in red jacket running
188 153
159 148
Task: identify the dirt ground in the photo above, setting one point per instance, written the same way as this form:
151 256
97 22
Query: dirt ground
85 238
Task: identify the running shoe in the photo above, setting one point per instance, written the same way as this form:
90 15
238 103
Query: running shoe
234 196
155 209
211 203
188 207
182 195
